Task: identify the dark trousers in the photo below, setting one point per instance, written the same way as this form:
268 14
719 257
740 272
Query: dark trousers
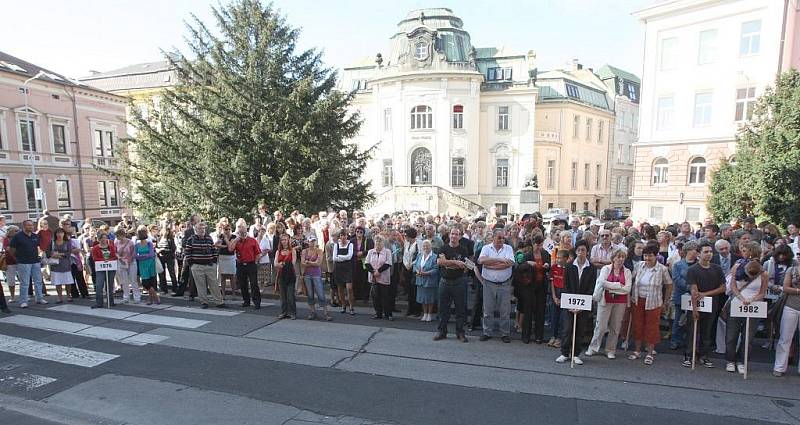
247 278
79 288
288 304
382 299
566 339
186 279
736 327
452 291
477 306
168 264
533 299
397 270
414 308
705 324
3 304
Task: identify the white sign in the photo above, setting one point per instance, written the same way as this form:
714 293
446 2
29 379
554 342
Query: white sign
756 309
576 302
38 194
105 266
703 305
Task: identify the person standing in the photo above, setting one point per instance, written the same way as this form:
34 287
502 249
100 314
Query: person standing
146 264
103 250
200 257
60 273
187 277
705 279
749 290
126 267
226 267
247 252
311 259
497 259
789 321
533 296
426 279
342 256
573 284
284 263
679 288
265 258
611 294
165 249
378 263
11 261
453 284
24 246
409 279
651 281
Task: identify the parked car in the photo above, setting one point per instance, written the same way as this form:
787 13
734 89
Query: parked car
585 213
612 214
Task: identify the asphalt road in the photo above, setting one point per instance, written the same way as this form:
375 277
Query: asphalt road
176 365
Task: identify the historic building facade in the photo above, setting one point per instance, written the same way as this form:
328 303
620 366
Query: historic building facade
705 63
452 124
574 127
52 152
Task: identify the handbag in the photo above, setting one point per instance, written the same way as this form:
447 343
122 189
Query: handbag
775 312
3 262
159 266
49 261
725 313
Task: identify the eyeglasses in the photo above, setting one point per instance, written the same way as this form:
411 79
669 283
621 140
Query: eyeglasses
605 236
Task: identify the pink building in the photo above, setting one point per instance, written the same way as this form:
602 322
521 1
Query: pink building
67 131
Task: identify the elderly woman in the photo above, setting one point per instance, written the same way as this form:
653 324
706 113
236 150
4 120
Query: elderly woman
378 264
611 294
427 272
126 267
651 281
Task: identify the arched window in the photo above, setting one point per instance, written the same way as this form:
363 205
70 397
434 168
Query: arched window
421 166
697 170
421 117
458 117
660 171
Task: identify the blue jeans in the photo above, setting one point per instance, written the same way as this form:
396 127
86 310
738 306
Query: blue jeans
678 331
100 284
26 273
316 290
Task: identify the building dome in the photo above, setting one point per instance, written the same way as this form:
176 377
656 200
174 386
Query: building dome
439 28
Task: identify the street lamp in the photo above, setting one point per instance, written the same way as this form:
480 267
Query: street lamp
30 139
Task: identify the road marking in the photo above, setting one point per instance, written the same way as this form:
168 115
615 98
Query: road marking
96 312
26 381
45 324
209 311
178 322
144 339
106 333
146 318
54 353
81 329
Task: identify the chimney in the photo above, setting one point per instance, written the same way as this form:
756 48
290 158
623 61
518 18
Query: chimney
575 65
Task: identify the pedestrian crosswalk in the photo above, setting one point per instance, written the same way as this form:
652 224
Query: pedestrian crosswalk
132 316
56 353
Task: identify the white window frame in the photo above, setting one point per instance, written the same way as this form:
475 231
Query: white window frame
751 39
665 111
458 117
503 118
458 172
573 177
703 112
576 126
551 173
58 195
600 128
64 122
589 125
660 172
502 172
4 190
747 103
106 192
598 180
387 173
387 120
668 53
421 120
105 127
37 134
4 142
692 219
707 46
653 209
698 171
587 174
37 184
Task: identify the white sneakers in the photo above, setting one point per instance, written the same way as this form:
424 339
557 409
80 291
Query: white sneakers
563 359
590 353
611 355
23 305
740 368
733 367
41 302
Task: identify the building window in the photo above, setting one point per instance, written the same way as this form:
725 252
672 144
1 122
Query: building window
600 125
619 153
458 117
59 139
586 172
551 173
632 94
360 85
62 193
692 214
666 107
707 47
107 193
30 194
421 117
660 171
598 178
573 177
387 176
697 171
27 129
421 50
501 209
576 119
549 205
669 53
657 213
502 172
750 42
457 172
628 187
702 109
421 166
745 103
387 119
572 90
498 74
502 118
573 206
104 143
586 206
3 194
588 128
618 191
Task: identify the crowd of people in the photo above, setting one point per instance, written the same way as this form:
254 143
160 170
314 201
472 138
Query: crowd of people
496 276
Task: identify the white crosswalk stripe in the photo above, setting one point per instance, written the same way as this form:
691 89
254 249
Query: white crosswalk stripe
82 329
129 316
52 352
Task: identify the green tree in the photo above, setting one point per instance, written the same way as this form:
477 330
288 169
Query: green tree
765 179
251 119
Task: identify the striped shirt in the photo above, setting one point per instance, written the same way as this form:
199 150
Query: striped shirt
200 250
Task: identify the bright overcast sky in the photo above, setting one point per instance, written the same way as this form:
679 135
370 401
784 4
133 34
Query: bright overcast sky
73 37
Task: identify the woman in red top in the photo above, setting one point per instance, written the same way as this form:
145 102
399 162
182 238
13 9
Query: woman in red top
284 264
611 293
103 251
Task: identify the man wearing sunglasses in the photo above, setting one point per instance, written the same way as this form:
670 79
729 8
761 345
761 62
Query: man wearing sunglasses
601 253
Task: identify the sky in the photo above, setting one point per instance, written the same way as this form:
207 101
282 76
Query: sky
76 36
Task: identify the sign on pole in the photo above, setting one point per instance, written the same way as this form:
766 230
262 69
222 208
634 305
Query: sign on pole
703 305
756 309
575 302
105 266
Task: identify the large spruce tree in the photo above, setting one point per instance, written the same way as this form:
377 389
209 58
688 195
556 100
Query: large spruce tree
765 178
251 119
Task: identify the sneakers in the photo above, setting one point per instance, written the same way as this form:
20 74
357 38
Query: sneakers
777 374
740 369
611 355
42 302
687 362
730 367
590 353
706 362
23 305
552 342
557 344
578 360
562 359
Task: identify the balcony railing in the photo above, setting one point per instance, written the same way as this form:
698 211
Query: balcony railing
547 136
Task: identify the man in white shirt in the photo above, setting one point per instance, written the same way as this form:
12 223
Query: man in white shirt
497 260
601 253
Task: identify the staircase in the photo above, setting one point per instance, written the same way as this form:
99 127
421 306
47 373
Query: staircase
433 199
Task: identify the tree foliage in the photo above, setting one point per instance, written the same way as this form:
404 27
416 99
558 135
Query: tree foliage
251 119
765 179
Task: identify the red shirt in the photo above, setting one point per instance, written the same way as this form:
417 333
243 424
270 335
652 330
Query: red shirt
247 250
98 255
45 237
613 298
557 273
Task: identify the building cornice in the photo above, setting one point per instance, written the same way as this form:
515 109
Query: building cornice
712 140
663 10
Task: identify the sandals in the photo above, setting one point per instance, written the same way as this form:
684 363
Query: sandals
648 359
636 355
